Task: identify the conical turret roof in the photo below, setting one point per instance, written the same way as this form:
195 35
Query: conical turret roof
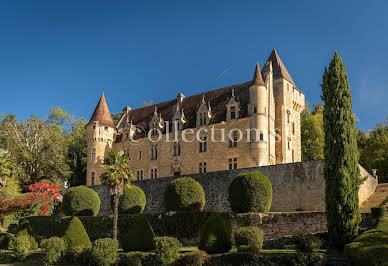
258 78
279 69
101 114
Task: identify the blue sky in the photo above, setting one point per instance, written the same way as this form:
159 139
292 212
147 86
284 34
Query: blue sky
66 53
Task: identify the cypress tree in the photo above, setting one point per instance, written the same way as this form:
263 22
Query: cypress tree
341 156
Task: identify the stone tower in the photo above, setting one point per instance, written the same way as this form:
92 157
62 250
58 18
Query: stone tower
289 103
258 101
100 136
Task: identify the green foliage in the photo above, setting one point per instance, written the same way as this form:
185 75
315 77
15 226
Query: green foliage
250 192
216 235
76 237
104 251
137 236
305 242
132 258
378 212
132 201
25 229
167 249
20 246
193 258
37 148
371 247
184 194
54 249
341 156
312 134
373 148
5 238
81 200
249 236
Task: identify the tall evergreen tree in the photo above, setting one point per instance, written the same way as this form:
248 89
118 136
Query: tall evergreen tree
341 156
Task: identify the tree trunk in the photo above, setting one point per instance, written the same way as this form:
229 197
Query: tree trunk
115 215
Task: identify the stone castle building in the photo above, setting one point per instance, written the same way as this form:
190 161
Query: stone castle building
251 124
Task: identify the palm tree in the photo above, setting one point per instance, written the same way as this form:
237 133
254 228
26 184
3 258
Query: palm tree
118 173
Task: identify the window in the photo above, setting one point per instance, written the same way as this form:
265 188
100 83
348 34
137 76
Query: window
93 155
93 179
232 163
203 144
293 128
202 119
289 144
261 136
255 110
232 112
293 155
139 174
178 125
154 173
127 135
288 116
106 128
139 155
177 148
233 142
94 127
154 152
202 167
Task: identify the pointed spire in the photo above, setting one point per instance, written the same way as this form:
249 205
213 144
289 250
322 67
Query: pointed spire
257 78
279 69
101 114
203 99
232 93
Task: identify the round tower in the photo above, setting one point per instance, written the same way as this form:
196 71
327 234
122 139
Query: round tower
258 100
101 133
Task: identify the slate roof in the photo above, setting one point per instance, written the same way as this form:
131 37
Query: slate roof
278 68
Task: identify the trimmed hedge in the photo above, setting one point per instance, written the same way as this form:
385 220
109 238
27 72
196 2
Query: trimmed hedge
81 201
104 251
184 194
132 201
193 258
371 247
249 236
305 242
216 235
166 249
138 236
250 192
76 237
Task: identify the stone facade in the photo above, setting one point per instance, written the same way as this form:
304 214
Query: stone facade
264 112
296 186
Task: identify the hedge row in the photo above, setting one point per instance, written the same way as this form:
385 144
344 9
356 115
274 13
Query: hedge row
176 224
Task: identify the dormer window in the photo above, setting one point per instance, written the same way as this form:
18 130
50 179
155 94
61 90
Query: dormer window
178 119
156 123
232 107
204 113
106 128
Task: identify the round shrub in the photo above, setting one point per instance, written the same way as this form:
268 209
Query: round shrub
305 242
193 258
167 249
250 192
20 245
76 237
249 236
104 251
216 235
184 194
53 249
81 201
132 258
132 201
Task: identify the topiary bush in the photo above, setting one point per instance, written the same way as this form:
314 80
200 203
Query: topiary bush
24 228
132 201
250 192
249 239
81 201
20 246
193 258
305 242
166 249
104 251
139 236
184 194
76 237
54 249
216 235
